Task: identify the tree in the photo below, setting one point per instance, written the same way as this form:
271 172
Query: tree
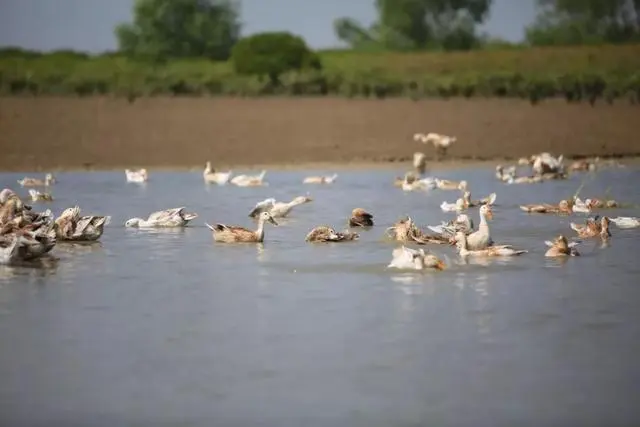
180 28
585 21
418 24
272 54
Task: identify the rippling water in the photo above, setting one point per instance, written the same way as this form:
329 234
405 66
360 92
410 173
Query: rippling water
170 328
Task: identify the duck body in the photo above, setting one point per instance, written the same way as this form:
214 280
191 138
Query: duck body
560 247
593 227
489 200
580 206
490 251
626 222
360 218
405 230
71 226
404 258
564 207
325 233
174 217
458 206
461 223
320 179
481 238
35 182
249 180
137 176
445 184
278 209
37 196
210 176
234 234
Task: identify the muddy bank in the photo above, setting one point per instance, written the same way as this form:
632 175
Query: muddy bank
105 133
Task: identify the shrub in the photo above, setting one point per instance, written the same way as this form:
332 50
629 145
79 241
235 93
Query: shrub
273 54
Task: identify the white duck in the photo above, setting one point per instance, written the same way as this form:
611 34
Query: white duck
320 179
138 176
249 180
490 251
37 196
35 182
211 176
411 259
410 183
580 206
278 209
546 163
174 217
461 223
626 222
458 206
481 238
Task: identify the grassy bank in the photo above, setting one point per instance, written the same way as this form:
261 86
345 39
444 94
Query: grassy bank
576 73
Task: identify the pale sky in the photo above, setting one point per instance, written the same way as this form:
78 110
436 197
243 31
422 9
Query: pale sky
88 24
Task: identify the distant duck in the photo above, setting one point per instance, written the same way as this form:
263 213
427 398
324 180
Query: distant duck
360 218
35 182
234 234
404 258
37 196
249 180
278 209
138 176
211 176
320 179
445 184
325 233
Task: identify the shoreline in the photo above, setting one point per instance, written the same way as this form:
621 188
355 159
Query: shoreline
324 167
100 133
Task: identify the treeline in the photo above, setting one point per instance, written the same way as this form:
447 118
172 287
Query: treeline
577 74
194 48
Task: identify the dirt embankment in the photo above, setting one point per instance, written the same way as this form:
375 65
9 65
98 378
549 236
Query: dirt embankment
103 133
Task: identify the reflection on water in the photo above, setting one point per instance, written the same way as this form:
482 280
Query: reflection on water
152 326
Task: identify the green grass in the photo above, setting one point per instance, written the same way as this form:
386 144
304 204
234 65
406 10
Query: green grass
576 73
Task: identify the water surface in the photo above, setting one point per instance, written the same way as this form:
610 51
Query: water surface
170 328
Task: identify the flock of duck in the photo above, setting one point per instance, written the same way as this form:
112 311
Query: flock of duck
26 235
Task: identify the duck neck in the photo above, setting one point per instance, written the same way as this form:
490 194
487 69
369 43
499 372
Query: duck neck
293 203
483 222
260 230
207 168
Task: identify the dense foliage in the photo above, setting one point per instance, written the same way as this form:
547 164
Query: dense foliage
577 22
272 54
417 24
578 73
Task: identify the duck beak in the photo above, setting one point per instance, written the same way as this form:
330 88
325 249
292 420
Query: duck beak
440 265
273 221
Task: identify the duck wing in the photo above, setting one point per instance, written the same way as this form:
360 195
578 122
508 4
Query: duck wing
322 233
264 206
